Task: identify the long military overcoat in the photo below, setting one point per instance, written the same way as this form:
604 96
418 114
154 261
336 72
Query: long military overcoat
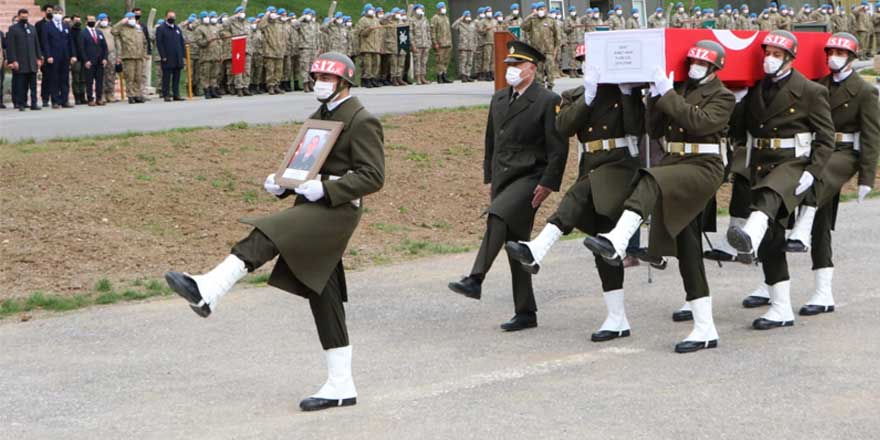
523 150
691 114
312 236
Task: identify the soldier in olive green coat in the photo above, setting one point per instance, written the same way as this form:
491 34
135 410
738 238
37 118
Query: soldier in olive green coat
441 32
789 133
310 34
856 116
420 37
132 51
524 162
311 237
692 118
233 27
574 36
657 20
208 39
607 120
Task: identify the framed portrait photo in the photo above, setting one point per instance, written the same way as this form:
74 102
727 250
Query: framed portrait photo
310 149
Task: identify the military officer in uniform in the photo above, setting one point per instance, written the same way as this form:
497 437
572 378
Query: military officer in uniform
524 162
692 119
607 120
573 32
856 116
789 133
369 33
132 51
633 21
310 237
514 19
274 49
680 19
441 38
542 35
466 44
658 20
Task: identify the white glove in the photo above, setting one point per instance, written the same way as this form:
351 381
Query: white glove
313 190
591 82
863 192
663 83
626 89
272 187
740 94
804 183
653 90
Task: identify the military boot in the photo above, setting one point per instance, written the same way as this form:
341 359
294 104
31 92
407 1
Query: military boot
247 91
239 92
296 86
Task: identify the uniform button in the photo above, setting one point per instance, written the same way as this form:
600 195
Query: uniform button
761 126
775 129
615 105
791 110
680 130
604 127
590 130
760 168
670 127
845 105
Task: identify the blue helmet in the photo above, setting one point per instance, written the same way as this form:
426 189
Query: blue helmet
203 14
499 14
441 5
102 16
346 18
617 7
540 5
212 14
753 15
379 9
572 9
252 19
634 11
338 15
679 5
261 15
271 9
514 6
282 11
129 15
238 9
466 13
394 10
772 4
658 10
708 11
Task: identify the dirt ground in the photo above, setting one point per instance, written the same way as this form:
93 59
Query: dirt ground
133 207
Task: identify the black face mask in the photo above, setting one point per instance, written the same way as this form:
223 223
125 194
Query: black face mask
169 20
23 20
49 16
91 24
137 17
77 25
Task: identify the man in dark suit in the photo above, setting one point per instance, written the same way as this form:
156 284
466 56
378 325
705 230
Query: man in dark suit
524 162
93 49
60 52
48 14
172 49
24 58
2 66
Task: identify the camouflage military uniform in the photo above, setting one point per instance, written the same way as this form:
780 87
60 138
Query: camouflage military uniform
765 23
784 23
132 50
466 42
421 46
839 23
110 70
389 47
233 27
616 23
189 36
442 36
486 32
398 57
724 21
292 39
574 35
255 44
308 49
335 37
543 36
369 35
274 47
679 20
250 50
657 22
633 23
864 28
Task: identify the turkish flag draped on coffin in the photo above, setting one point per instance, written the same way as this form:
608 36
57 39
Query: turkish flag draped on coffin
239 54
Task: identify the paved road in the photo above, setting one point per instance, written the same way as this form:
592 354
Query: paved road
157 115
432 365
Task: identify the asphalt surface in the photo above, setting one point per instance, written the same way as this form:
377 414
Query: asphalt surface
157 115
430 364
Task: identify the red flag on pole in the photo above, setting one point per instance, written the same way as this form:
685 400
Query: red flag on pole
239 54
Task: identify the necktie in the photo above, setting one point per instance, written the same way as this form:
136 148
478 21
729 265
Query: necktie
94 36
513 97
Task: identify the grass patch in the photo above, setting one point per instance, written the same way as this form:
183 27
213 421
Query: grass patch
249 196
420 247
102 294
415 156
240 125
262 278
151 160
385 227
144 177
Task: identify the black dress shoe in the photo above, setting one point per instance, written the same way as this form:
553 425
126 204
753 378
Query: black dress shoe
187 288
766 324
520 322
752 301
812 309
468 286
794 246
716 255
682 315
691 346
602 247
607 335
642 254
317 403
33 107
523 254
178 98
